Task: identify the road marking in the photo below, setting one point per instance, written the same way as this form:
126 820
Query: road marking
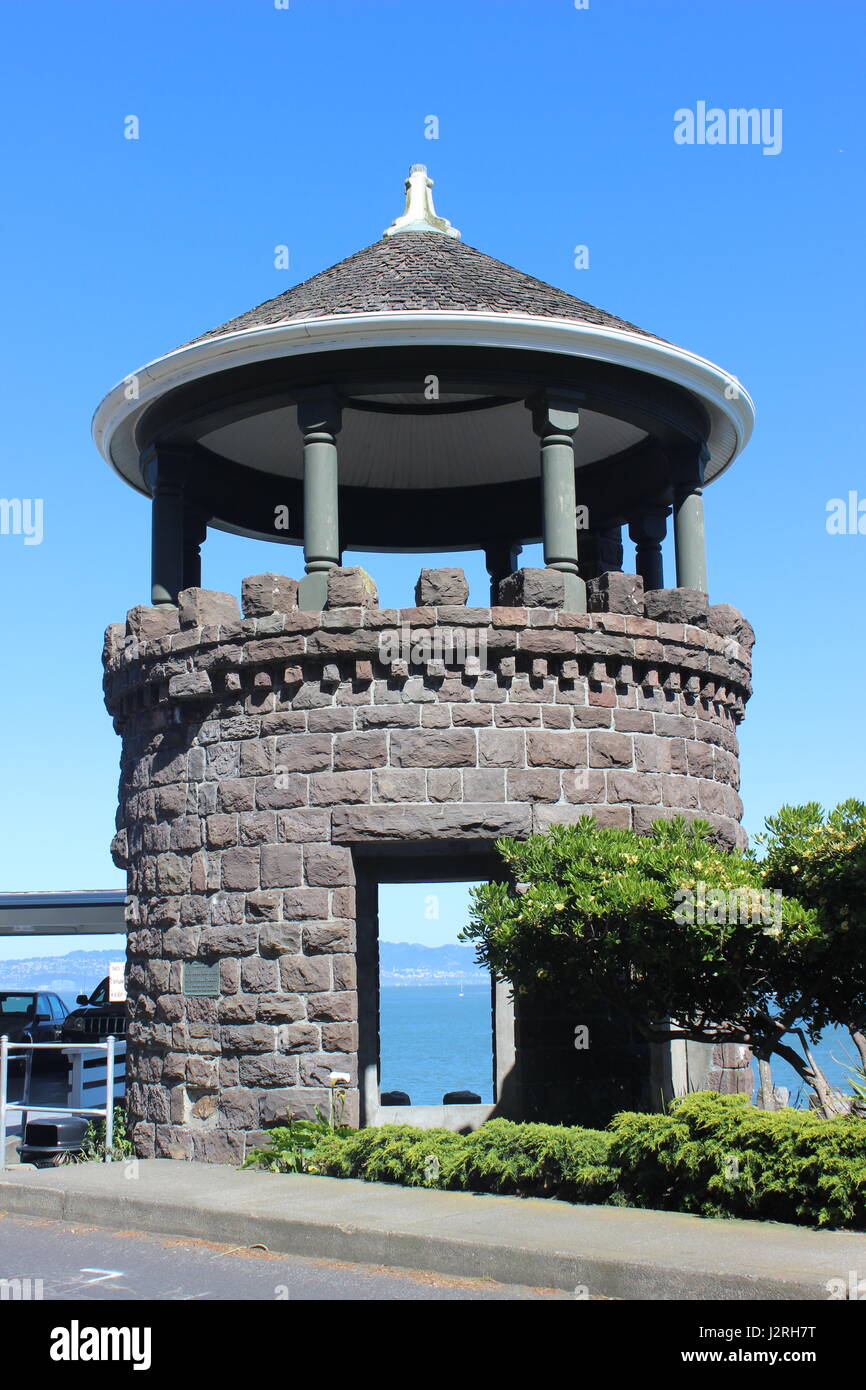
103 1273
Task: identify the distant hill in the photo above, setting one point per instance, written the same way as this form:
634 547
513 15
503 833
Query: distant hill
401 962
78 972
407 963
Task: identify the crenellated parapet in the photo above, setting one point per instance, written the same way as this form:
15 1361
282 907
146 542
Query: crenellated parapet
264 749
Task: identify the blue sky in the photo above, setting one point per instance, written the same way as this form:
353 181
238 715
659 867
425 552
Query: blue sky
262 126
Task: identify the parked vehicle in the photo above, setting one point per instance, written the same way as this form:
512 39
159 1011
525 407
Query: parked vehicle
96 1017
35 1016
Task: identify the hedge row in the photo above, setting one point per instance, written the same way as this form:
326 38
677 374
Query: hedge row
712 1155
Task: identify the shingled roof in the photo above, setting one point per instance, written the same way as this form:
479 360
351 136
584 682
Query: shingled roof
421 271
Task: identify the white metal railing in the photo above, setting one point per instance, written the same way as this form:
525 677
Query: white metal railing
26 1105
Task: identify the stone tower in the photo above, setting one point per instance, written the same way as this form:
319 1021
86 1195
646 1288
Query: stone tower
283 757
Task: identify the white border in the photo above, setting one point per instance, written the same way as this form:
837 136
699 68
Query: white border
731 415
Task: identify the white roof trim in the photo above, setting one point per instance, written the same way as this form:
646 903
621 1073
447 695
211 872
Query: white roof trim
728 404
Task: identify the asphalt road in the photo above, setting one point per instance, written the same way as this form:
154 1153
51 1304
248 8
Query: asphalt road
88 1263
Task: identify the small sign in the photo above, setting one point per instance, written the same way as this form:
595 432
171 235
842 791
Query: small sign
201 979
116 981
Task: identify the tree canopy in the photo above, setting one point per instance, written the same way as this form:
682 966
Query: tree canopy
683 937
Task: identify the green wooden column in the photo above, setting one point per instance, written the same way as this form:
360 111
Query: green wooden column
691 551
319 418
555 419
599 549
648 529
165 475
501 559
194 535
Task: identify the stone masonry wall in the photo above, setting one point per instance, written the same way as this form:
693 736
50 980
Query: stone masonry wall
259 750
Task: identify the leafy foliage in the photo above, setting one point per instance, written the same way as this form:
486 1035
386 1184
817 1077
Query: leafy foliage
710 1155
93 1144
822 860
293 1147
669 926
501 1156
719 1156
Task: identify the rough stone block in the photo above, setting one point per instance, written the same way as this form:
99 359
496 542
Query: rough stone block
639 788
153 623
240 869
192 685
484 784
259 976
443 785
409 785
327 866
301 903
687 606
221 831
262 907
551 748
298 1037
325 938
263 594
351 587
298 827
281 866
434 748
233 939
332 1007
361 750
419 823
616 592
726 621
535 785
609 749
172 873
339 788
305 974
440 587
279 938
532 588
236 795
255 1037
207 608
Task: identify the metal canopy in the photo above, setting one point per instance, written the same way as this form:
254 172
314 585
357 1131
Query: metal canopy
100 912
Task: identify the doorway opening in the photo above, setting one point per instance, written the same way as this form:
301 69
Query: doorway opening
436 1032
435 1009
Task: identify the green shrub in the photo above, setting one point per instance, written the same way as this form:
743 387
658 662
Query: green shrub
719 1156
93 1144
395 1153
710 1155
293 1147
538 1160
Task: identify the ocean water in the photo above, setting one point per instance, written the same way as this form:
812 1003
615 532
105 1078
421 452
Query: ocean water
433 1041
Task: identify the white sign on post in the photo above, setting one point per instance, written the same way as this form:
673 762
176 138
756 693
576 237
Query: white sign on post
116 981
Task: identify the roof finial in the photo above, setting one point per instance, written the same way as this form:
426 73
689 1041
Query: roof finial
420 214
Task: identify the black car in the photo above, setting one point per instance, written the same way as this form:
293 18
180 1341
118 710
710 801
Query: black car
31 1016
96 1018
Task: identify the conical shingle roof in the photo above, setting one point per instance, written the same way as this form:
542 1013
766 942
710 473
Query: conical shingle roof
422 272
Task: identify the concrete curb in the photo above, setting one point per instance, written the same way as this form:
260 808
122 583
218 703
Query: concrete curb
611 1252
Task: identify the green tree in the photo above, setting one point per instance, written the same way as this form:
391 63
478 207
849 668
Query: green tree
822 860
669 929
